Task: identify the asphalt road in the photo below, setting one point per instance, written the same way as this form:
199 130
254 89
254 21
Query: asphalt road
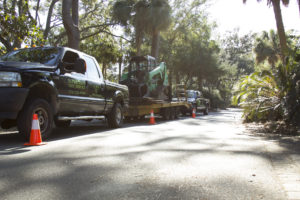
210 157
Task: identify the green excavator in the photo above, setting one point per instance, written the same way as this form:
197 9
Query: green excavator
146 80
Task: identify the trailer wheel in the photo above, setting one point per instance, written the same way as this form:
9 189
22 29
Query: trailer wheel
172 113
115 117
166 114
177 111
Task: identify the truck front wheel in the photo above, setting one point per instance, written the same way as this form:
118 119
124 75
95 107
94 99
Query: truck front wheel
45 117
115 117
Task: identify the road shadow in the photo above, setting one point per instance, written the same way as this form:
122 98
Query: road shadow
151 168
11 142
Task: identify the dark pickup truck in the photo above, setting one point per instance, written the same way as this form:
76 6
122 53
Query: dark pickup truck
59 84
197 102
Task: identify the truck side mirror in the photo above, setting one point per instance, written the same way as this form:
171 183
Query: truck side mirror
80 66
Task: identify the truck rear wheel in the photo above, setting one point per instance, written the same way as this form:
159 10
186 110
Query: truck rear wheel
115 117
205 112
45 117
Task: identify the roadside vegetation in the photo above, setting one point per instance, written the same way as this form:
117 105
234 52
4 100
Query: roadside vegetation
258 72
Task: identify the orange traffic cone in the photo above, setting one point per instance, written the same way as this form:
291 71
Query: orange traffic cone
35 134
194 113
152 120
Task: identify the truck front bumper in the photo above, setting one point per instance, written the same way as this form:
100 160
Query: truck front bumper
11 102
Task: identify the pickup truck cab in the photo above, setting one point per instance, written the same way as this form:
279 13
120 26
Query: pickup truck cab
59 84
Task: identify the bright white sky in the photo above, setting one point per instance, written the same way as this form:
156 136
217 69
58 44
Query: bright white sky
252 16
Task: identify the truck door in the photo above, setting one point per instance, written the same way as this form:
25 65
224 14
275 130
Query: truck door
95 86
71 87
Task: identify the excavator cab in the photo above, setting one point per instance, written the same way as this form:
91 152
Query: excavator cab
146 79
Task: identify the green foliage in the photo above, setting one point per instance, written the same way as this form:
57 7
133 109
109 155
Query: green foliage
272 94
259 96
17 25
289 77
267 48
2 50
158 16
216 98
146 16
238 52
192 56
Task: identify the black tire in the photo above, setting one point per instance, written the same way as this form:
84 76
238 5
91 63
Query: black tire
166 114
115 117
62 123
45 116
177 112
172 113
205 112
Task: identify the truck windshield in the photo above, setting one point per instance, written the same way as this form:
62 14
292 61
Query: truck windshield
44 55
191 95
139 65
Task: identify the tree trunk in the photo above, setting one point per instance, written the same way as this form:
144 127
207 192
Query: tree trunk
177 78
120 67
170 77
200 83
6 43
20 7
155 43
104 70
71 22
138 41
299 5
37 10
280 28
48 23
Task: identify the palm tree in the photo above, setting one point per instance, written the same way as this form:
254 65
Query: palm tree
146 16
158 19
279 23
128 12
267 48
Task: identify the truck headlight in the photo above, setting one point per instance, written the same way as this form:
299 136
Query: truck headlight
10 79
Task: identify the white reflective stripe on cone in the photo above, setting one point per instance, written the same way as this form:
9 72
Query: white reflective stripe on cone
35 125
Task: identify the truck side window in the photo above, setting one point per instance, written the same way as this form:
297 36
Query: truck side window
92 72
69 59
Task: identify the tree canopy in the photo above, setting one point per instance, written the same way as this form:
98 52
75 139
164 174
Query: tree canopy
178 32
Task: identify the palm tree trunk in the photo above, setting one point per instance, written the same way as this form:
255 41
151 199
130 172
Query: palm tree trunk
280 28
155 44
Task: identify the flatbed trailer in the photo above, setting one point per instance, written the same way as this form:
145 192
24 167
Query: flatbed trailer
167 110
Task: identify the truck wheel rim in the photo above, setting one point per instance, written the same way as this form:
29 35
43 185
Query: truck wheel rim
43 118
